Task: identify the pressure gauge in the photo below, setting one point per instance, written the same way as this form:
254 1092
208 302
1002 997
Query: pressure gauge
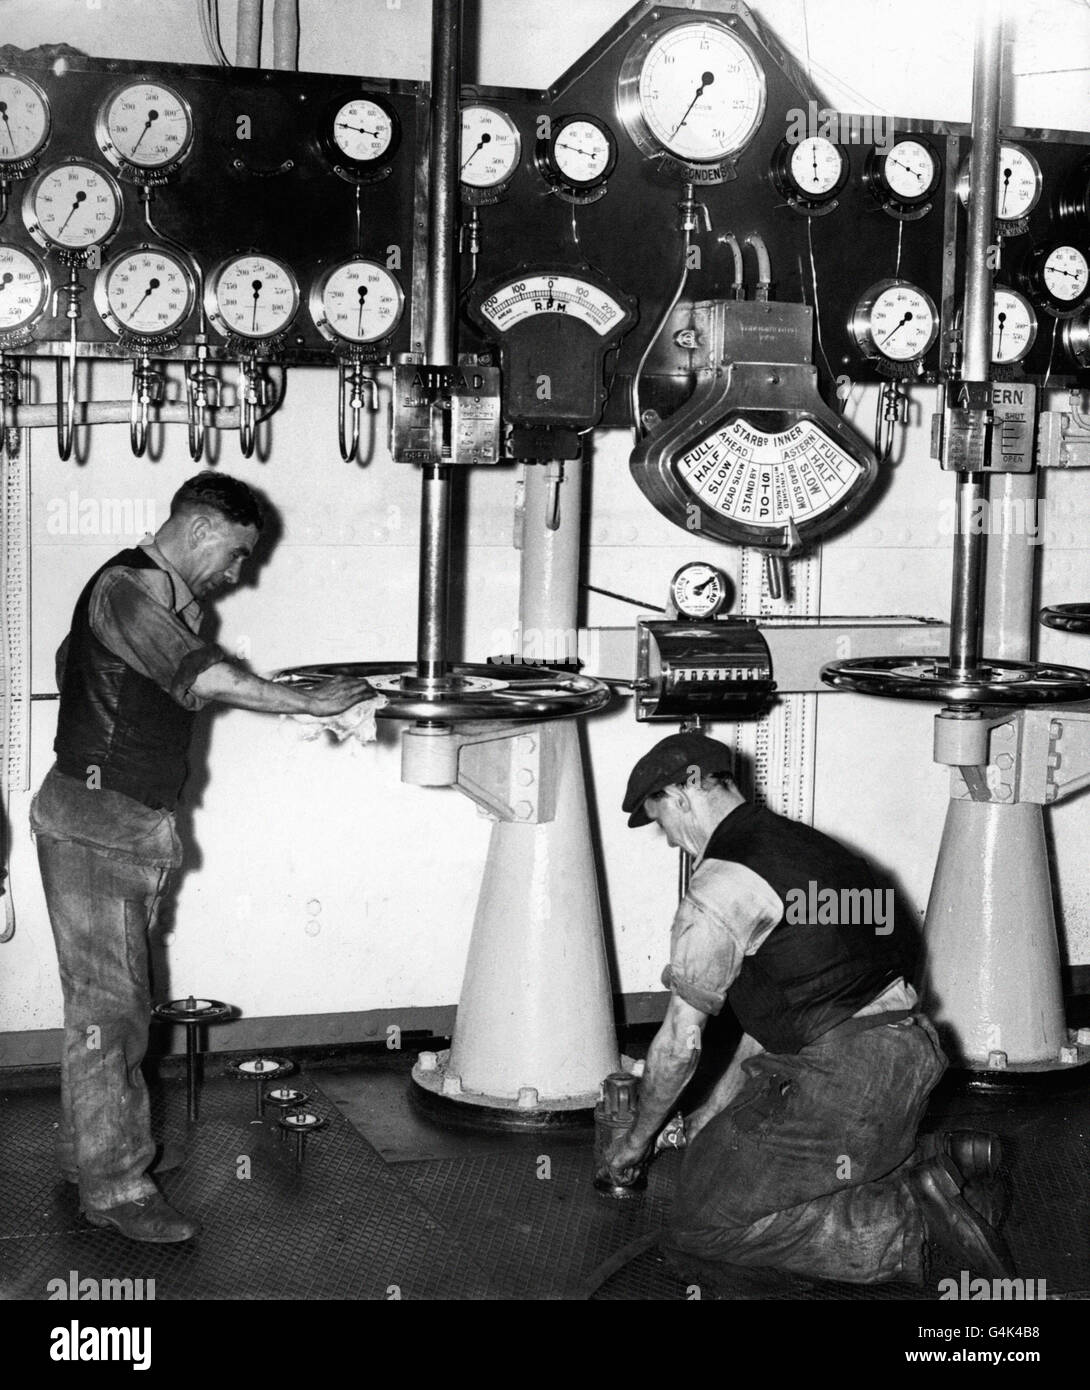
1076 338
490 149
1018 184
252 296
1056 276
904 178
145 127
357 301
896 321
147 292
361 134
691 91
811 173
24 120
579 154
73 206
699 590
1014 326
24 289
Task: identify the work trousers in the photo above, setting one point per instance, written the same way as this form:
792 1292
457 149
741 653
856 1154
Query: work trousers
801 1171
103 899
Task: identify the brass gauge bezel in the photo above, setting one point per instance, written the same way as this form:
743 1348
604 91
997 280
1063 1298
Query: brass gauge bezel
803 200
1024 351
1076 338
215 312
18 330
134 169
905 206
32 220
861 324
319 313
1011 223
549 164
716 606
1031 277
630 102
345 165
492 189
21 164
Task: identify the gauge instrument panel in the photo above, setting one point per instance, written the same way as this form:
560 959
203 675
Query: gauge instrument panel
313 170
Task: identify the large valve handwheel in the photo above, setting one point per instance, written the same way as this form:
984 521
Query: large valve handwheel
468 692
998 682
1069 617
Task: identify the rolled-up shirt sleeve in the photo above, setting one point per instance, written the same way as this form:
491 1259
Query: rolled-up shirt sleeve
725 915
127 618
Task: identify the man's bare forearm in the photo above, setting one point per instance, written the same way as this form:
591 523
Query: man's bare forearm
726 1088
231 685
665 1076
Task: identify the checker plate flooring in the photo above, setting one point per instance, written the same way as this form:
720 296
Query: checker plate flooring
390 1204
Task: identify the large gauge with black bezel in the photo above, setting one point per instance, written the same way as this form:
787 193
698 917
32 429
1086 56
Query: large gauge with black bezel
691 93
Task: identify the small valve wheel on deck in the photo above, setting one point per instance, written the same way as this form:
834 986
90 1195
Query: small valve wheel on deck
284 1098
192 1013
260 1070
300 1123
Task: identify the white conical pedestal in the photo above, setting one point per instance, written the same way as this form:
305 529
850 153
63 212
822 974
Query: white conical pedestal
993 966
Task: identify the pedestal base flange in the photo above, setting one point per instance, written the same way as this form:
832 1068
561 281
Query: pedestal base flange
1020 1076
440 1095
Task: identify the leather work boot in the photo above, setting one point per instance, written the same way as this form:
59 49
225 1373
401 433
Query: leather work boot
151 1219
990 1197
952 1223
168 1156
977 1153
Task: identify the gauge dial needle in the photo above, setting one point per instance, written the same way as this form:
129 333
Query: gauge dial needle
80 197
485 138
1001 320
1059 270
897 328
152 116
6 281
706 80
153 284
907 167
699 588
7 123
1006 186
343 125
257 292
362 292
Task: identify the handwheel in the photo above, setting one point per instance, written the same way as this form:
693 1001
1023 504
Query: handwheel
1069 617
930 678
468 692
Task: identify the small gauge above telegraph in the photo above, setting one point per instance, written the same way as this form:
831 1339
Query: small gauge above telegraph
692 92
1018 185
811 173
905 177
252 296
895 320
1056 276
147 292
699 590
360 135
24 289
145 128
490 148
1014 326
73 206
24 121
578 156
356 301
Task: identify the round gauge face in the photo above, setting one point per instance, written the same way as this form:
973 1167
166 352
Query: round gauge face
73 206
357 301
911 171
148 292
699 590
24 118
490 149
1014 326
817 167
253 296
24 289
146 125
1018 183
1065 273
896 320
698 91
363 130
582 151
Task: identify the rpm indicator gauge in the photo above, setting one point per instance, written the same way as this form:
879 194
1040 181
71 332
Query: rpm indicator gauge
691 90
147 292
252 296
146 126
699 590
544 293
24 120
357 301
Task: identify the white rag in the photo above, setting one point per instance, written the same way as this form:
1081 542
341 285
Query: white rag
357 722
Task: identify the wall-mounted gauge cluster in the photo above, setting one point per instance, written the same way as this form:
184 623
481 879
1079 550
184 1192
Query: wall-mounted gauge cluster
273 213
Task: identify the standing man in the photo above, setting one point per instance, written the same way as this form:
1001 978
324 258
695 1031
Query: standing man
805 1156
132 673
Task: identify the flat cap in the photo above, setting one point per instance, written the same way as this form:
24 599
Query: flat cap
666 763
